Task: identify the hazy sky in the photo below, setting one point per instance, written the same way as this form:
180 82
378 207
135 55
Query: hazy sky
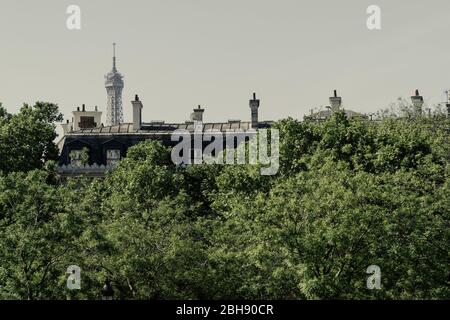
178 54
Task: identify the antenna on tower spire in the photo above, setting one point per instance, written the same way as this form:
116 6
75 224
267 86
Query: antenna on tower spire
114 57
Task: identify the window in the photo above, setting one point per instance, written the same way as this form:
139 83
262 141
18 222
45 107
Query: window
87 123
76 158
112 157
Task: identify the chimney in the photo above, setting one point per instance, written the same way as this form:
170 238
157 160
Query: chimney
417 102
335 102
254 105
84 119
137 113
197 115
67 127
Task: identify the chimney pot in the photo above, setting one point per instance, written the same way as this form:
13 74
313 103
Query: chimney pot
84 107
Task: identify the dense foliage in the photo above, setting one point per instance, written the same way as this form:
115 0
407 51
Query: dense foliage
349 194
26 138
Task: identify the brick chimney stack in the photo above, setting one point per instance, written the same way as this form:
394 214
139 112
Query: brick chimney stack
417 102
335 102
254 105
137 113
197 115
67 127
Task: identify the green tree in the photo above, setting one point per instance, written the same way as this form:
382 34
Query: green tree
27 138
36 235
349 194
149 242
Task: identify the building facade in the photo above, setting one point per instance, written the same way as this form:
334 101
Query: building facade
93 150
90 148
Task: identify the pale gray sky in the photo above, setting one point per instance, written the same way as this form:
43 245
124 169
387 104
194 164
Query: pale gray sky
178 54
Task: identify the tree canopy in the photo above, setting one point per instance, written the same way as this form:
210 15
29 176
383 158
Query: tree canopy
27 138
349 194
